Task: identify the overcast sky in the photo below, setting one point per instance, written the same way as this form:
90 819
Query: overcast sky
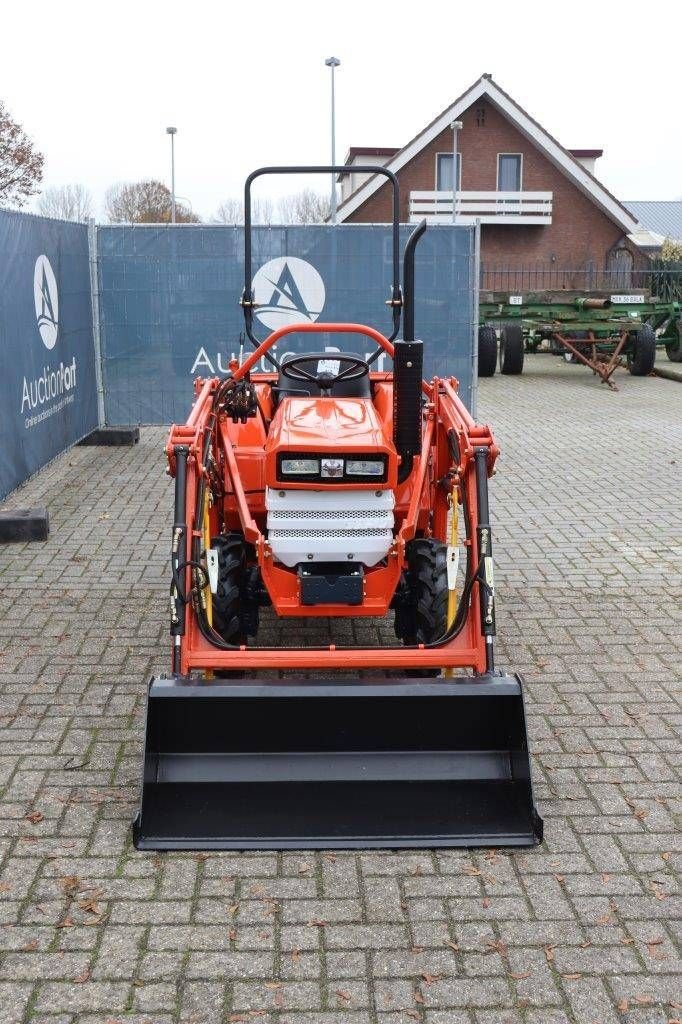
95 84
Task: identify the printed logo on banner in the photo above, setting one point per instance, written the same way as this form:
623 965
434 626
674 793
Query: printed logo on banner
47 301
55 387
288 290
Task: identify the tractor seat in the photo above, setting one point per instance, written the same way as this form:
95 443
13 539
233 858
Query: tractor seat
359 388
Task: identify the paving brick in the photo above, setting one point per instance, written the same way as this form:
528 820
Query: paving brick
94 995
202 1002
14 998
229 964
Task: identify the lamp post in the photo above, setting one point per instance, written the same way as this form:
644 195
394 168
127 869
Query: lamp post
172 132
456 126
333 62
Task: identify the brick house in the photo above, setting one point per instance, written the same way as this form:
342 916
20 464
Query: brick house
538 203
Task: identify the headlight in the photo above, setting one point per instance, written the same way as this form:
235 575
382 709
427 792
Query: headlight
299 467
364 467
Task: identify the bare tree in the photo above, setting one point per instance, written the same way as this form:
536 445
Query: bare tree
21 166
231 211
68 202
305 207
144 202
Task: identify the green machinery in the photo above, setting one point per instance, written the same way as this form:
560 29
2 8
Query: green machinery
598 330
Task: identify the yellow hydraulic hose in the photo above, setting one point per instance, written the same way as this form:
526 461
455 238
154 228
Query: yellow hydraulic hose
206 529
452 557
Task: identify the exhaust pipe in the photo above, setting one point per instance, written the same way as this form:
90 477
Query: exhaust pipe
408 371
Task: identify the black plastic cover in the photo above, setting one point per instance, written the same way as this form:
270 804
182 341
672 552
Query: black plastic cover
331 583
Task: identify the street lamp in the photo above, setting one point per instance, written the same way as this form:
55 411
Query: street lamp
333 62
456 127
172 132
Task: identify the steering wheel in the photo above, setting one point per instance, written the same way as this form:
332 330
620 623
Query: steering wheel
325 380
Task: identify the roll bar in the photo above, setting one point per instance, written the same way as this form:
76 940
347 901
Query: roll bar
247 300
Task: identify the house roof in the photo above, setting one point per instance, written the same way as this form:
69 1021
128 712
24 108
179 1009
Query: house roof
577 153
369 151
365 151
659 217
560 157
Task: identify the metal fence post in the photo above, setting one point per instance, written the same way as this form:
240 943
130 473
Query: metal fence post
474 326
94 302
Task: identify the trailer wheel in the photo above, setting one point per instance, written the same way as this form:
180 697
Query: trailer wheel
229 615
487 350
674 348
422 614
511 349
642 352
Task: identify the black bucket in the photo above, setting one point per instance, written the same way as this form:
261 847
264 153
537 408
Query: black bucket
293 765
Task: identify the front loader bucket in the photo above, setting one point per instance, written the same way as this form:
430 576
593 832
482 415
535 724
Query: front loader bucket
263 764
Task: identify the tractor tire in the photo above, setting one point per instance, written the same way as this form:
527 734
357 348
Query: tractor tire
673 348
511 349
228 614
487 350
642 354
421 617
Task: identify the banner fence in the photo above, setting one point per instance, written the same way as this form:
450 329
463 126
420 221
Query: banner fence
47 362
169 302
110 324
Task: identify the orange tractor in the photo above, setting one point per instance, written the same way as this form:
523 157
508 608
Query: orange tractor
325 488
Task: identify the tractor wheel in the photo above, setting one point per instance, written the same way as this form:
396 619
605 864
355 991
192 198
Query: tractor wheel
511 349
673 348
642 353
487 350
421 616
230 617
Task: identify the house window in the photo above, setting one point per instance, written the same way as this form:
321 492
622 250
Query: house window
480 117
444 172
509 172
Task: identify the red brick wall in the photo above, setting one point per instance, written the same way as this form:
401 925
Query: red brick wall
579 230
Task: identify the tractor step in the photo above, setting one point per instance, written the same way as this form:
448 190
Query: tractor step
296 764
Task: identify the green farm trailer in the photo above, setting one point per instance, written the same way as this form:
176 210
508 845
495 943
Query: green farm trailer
601 331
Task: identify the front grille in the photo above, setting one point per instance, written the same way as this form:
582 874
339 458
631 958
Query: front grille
333 532
344 513
315 525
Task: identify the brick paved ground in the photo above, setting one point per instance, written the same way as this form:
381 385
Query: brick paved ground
587 509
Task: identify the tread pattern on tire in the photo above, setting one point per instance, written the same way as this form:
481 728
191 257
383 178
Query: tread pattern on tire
227 600
511 349
422 617
487 350
641 361
674 348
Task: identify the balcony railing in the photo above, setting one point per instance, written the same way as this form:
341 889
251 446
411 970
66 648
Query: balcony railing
488 207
